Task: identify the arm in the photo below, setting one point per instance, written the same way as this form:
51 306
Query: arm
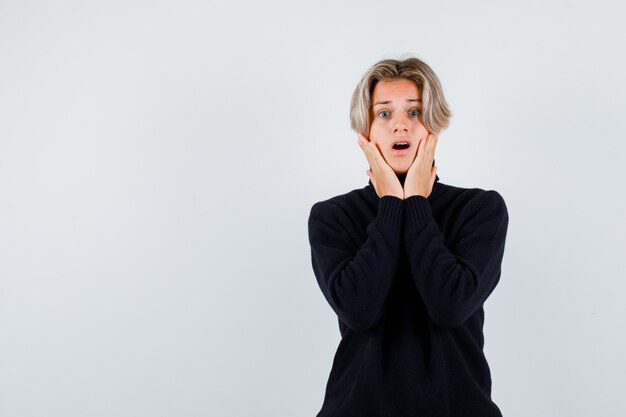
356 281
455 281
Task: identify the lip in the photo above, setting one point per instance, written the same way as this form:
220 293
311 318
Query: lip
401 152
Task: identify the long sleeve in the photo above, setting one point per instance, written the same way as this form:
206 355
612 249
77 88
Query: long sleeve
455 281
356 280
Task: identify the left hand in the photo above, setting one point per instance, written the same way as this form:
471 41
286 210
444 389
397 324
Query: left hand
421 174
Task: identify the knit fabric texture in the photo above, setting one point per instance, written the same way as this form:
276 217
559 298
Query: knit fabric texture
407 279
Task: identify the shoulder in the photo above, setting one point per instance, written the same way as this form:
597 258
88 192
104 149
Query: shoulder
474 203
474 194
340 205
336 219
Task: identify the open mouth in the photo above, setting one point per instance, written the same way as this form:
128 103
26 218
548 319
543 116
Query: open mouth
401 145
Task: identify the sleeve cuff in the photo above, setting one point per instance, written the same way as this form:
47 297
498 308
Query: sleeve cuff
418 212
390 210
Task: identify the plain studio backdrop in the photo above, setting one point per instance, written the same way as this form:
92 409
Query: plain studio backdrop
158 161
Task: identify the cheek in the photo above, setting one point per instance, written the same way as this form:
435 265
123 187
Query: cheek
379 145
375 135
421 131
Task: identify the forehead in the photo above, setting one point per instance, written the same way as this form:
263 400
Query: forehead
399 89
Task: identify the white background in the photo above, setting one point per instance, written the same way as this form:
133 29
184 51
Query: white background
158 161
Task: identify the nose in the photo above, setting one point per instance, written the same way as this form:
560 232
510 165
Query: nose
400 125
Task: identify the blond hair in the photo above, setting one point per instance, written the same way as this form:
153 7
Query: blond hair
435 110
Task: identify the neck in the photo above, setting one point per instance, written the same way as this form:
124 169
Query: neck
401 178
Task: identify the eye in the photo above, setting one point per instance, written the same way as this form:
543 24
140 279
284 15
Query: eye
384 114
414 112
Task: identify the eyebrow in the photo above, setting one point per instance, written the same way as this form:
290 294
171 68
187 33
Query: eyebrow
388 101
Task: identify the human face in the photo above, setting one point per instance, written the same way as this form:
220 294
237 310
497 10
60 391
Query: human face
397 117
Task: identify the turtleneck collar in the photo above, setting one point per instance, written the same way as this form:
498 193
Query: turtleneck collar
402 177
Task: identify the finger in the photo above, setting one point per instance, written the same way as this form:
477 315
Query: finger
432 139
421 148
426 146
435 139
418 152
369 147
377 156
415 163
364 145
361 137
373 156
432 145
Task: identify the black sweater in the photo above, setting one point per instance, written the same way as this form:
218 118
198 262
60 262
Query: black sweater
407 280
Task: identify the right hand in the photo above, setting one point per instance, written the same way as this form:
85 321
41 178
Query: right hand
384 179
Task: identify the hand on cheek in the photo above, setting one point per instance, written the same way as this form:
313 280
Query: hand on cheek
383 177
421 174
